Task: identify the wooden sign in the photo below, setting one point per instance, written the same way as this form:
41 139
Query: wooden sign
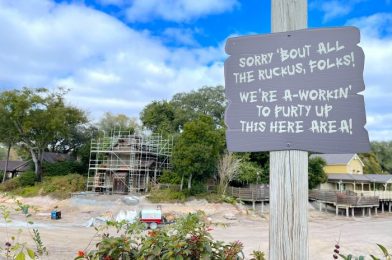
296 90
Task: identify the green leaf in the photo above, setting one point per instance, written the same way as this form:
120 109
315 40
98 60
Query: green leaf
30 253
20 256
374 258
383 249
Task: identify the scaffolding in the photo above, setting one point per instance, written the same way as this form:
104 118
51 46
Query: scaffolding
125 163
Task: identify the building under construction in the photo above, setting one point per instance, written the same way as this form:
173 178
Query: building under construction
125 162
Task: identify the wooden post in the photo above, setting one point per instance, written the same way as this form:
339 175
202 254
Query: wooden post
352 212
389 206
363 212
337 210
382 206
288 205
288 231
370 211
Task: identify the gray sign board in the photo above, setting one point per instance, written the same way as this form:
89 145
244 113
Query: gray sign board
296 90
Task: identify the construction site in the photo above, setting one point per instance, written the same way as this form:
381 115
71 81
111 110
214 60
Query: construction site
123 162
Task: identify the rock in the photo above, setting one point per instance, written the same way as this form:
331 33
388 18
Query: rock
130 200
230 216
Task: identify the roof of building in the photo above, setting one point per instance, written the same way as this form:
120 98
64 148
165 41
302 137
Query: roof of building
19 166
55 157
336 159
366 178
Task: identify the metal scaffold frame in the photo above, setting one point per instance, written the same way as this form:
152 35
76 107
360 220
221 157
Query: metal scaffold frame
124 162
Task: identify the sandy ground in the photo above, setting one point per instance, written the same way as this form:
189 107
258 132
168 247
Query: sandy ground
66 236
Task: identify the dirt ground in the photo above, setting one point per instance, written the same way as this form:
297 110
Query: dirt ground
66 236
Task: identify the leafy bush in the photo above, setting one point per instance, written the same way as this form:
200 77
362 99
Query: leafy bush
198 188
188 238
10 185
170 177
61 187
27 179
63 168
167 195
1 176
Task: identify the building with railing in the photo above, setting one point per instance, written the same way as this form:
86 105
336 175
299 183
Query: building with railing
124 162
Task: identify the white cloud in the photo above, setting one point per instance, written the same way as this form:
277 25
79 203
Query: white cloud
176 10
377 46
108 65
334 8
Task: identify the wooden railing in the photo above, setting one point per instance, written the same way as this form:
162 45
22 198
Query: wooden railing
249 194
343 198
382 195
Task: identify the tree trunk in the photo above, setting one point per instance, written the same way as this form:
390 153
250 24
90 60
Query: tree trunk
190 182
182 182
6 163
37 159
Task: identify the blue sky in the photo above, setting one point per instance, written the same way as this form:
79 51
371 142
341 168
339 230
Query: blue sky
119 55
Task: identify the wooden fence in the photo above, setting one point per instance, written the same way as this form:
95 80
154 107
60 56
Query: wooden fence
343 198
249 194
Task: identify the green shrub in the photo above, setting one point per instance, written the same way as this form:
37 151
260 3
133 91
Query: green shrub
63 168
27 179
158 196
61 187
170 177
1 176
10 185
198 188
188 238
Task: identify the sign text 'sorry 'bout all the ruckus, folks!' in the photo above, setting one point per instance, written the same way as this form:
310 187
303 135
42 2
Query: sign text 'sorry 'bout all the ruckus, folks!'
296 90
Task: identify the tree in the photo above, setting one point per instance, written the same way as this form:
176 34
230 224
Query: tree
160 117
204 101
250 172
197 150
169 117
8 136
372 166
316 172
228 169
383 152
39 117
121 122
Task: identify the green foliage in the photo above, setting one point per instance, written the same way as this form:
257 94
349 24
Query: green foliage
372 165
27 179
38 117
160 117
1 176
386 255
316 174
169 117
197 188
63 168
110 122
14 247
257 255
166 195
249 172
59 187
188 238
170 177
10 185
383 152
208 101
196 152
